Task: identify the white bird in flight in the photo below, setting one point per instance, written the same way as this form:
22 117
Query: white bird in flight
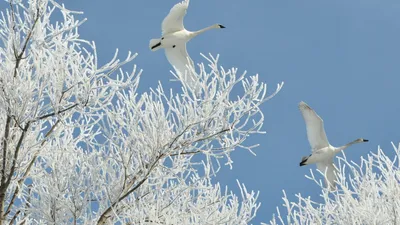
174 38
322 151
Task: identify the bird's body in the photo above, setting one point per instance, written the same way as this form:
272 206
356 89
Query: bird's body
174 39
320 155
322 152
178 38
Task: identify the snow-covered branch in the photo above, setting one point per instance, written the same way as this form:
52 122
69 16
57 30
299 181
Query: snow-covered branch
367 194
80 145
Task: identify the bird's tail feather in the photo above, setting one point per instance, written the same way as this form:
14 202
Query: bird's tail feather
155 44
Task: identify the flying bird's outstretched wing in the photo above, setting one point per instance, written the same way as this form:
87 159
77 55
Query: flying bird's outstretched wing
180 60
174 20
329 170
315 127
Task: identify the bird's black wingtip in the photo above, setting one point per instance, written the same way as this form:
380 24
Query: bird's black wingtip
221 26
365 140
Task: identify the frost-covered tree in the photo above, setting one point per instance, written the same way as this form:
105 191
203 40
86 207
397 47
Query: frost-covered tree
368 193
80 145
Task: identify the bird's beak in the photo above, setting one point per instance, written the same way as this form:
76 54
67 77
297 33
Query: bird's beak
365 140
221 26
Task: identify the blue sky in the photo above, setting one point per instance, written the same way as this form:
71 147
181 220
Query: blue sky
341 57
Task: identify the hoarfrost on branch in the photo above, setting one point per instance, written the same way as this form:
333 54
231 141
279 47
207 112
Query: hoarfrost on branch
80 145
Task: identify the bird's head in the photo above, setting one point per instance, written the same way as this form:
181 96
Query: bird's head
362 140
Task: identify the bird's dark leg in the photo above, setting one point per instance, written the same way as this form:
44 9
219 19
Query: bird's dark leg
304 160
155 46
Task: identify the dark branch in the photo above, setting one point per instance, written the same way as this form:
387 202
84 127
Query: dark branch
4 186
18 147
182 133
55 113
211 136
104 216
185 153
5 145
28 169
18 57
